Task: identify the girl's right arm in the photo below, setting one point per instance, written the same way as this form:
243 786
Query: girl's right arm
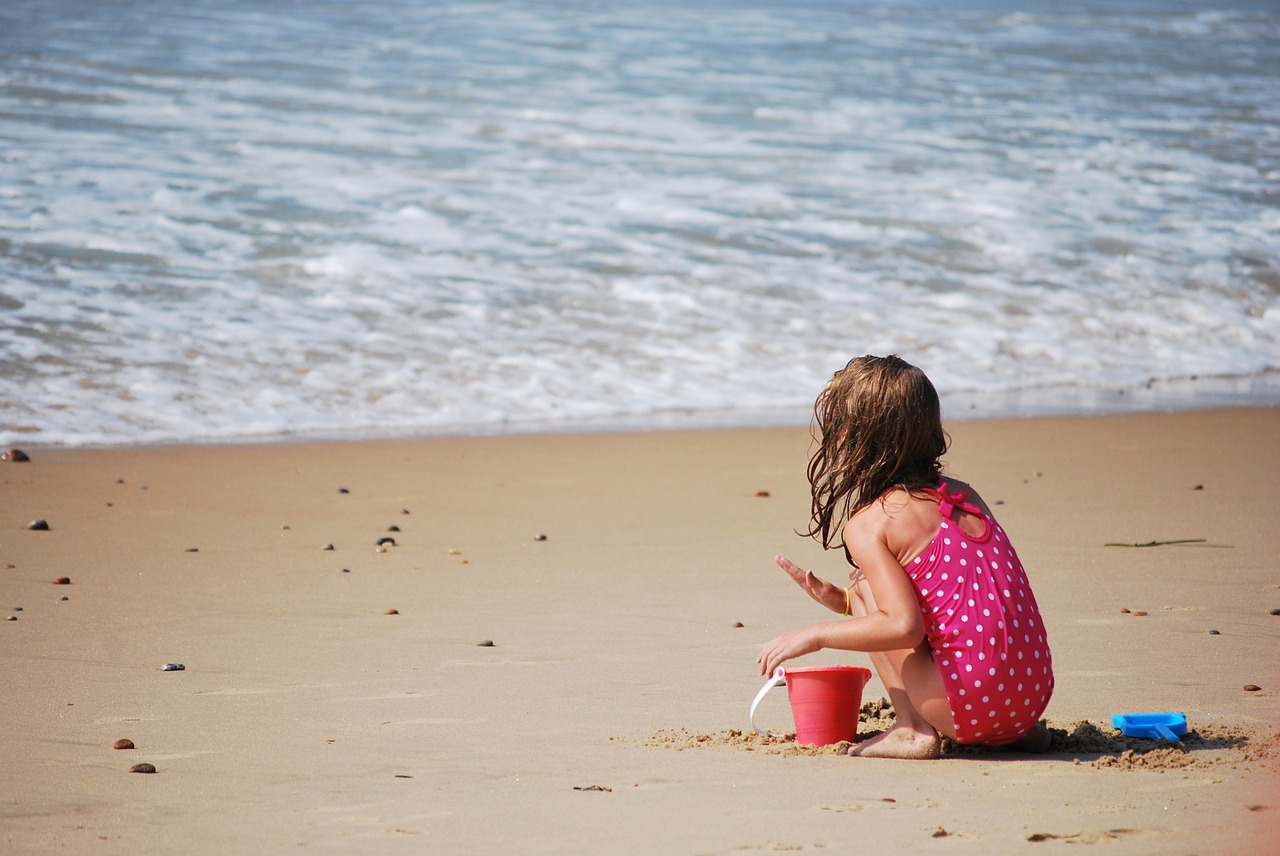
831 596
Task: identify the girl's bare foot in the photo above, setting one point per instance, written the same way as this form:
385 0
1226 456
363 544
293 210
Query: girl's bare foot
900 742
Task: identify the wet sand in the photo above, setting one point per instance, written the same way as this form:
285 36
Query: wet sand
556 655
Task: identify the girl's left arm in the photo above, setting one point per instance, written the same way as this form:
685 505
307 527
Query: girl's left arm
891 618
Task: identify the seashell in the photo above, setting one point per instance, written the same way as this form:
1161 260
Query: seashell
15 456
173 667
142 768
381 542
39 525
62 581
123 743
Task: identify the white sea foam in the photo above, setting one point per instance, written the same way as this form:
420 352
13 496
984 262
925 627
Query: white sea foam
437 217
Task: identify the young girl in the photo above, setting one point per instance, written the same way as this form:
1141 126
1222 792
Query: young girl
937 595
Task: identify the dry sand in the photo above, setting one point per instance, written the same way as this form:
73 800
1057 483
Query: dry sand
609 714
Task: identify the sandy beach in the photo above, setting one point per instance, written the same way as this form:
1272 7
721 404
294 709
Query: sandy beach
556 653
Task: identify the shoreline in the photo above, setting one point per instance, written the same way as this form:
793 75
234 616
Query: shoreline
625 582
1156 396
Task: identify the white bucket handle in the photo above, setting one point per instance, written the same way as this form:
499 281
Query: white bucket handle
779 679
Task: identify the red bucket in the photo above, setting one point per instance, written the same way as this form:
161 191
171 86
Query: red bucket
825 701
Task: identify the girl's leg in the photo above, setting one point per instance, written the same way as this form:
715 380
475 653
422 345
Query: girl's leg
916 690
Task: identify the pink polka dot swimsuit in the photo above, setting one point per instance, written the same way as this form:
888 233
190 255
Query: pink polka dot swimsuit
984 627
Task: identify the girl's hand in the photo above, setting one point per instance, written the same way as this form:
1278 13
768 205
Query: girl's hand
830 596
797 643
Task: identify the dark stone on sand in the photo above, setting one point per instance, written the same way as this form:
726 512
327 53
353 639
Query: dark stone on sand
343 490
173 667
393 528
64 597
39 525
1214 633
1275 612
327 547
17 609
384 541
142 768
485 643
192 550
62 581
1139 612
763 494
1198 487
345 570
15 456
13 618
391 612
123 743
1252 688
404 511
539 537
738 624
119 481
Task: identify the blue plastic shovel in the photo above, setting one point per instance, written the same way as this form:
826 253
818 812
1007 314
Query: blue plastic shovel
1165 726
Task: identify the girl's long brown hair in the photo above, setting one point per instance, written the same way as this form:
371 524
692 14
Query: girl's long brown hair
878 426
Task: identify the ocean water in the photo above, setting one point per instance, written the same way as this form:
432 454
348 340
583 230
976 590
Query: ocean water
228 219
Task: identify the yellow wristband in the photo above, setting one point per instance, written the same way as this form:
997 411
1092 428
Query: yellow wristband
848 605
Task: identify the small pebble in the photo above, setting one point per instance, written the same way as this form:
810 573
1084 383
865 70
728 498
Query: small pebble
1198 487
15 456
343 490
1252 688
1139 612
738 624
760 493
404 511
13 618
379 549
1124 609
284 526
1273 612
485 643
17 609
540 537
142 768
123 743
1214 633
453 552
173 667
391 612
39 525
119 481
393 528
384 541
192 550
62 581
64 597
327 547
345 570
